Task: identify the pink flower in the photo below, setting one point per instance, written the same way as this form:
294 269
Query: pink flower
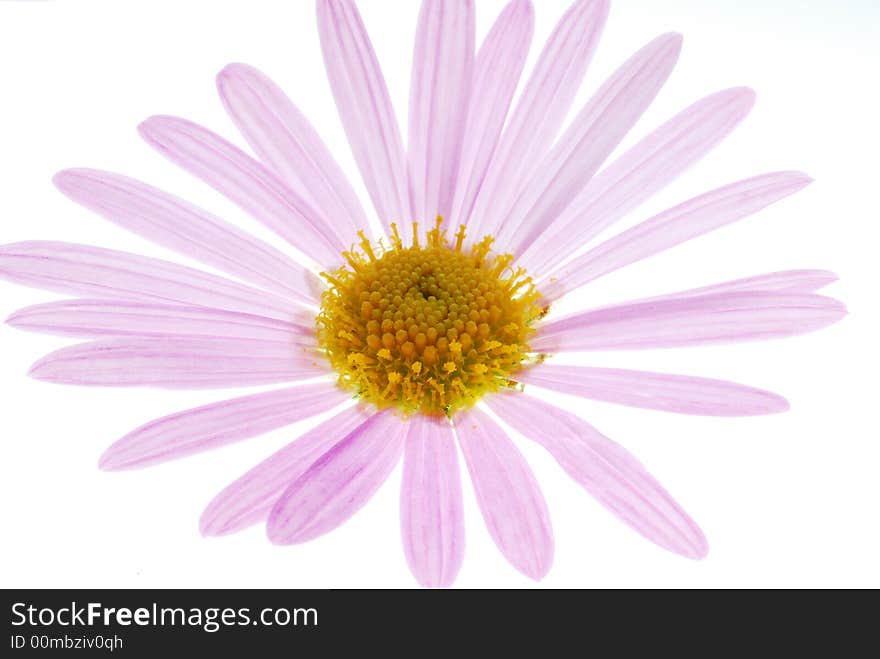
426 324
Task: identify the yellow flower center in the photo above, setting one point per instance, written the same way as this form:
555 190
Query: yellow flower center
427 329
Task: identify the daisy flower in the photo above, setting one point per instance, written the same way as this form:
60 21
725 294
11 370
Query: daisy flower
440 327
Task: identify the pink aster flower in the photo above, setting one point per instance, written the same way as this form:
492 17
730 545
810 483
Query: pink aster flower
438 333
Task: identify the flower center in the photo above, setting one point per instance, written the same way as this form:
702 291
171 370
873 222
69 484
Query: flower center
428 329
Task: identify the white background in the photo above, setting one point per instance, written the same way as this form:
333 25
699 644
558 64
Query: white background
789 500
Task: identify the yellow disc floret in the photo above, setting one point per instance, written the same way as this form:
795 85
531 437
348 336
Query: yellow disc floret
427 329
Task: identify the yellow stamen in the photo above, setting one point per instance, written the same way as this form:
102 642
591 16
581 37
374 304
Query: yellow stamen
459 238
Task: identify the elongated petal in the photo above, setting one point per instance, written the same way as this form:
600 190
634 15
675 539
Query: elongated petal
339 483
248 500
178 363
691 321
285 140
607 471
213 426
497 72
596 132
365 108
656 391
249 184
175 224
95 319
689 220
640 173
788 281
439 96
93 271
510 500
431 508
539 113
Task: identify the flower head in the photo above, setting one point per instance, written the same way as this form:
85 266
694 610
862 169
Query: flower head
427 328
444 323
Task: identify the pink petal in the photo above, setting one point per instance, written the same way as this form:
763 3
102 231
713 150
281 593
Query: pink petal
94 319
92 271
213 426
175 224
607 471
439 96
509 498
248 500
789 281
339 483
285 140
689 220
655 391
178 363
690 321
431 508
596 132
249 184
365 108
640 173
539 113
497 72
